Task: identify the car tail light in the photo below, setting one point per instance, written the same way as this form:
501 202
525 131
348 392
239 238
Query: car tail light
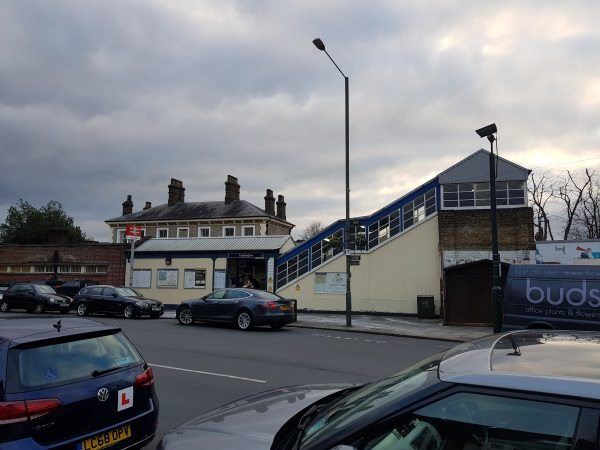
145 379
22 411
270 306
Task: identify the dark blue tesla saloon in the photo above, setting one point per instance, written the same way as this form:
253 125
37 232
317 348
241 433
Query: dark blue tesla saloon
244 308
72 384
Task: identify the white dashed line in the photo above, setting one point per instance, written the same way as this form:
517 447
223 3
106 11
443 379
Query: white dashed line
329 336
201 372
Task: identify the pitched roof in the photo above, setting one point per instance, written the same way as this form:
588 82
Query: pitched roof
197 210
475 168
212 244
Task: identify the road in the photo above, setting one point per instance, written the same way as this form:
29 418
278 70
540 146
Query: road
203 366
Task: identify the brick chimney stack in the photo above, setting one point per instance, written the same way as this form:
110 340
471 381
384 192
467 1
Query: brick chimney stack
281 207
127 206
270 202
176 192
148 205
232 189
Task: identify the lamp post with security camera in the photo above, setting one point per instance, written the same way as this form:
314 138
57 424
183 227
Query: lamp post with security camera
488 132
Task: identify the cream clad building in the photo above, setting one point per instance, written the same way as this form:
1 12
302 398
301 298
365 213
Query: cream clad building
405 247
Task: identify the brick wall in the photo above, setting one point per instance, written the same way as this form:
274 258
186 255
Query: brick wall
471 230
111 255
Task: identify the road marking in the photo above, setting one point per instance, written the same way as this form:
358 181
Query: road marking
329 336
201 372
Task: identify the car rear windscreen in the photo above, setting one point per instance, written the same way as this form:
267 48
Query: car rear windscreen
55 364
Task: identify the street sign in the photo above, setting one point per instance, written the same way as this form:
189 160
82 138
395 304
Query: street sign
133 232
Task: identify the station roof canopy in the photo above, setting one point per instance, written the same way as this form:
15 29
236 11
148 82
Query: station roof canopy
214 244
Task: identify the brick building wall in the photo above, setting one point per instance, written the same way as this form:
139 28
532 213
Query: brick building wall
471 229
92 257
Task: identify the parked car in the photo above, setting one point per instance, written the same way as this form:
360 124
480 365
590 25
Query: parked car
552 297
525 390
3 289
245 308
37 298
72 287
103 299
72 384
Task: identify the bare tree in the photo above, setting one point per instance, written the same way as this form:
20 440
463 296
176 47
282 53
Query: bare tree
541 190
571 192
586 224
311 230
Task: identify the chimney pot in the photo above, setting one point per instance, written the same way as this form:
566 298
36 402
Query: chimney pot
281 207
127 206
232 189
270 203
148 205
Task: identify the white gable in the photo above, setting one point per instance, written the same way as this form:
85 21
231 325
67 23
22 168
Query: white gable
476 168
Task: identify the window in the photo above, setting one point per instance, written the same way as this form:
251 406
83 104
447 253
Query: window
162 233
167 278
248 230
228 231
20 268
218 295
72 361
235 293
469 195
43 269
120 235
203 231
421 207
183 232
194 279
467 420
142 278
96 269
108 292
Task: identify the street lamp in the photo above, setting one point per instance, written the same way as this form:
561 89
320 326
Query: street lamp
488 132
321 46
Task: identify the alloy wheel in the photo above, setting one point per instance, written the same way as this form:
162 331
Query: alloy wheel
39 308
128 312
244 320
4 306
82 309
185 316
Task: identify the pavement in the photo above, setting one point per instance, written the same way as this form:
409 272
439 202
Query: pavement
386 326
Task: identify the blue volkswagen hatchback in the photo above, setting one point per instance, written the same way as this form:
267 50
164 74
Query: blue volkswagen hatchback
72 384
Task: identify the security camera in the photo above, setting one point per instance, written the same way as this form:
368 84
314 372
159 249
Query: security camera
487 131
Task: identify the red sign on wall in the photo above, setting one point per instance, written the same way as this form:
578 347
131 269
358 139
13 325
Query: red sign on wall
133 232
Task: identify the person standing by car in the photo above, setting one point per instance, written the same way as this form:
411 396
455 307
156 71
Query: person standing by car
248 283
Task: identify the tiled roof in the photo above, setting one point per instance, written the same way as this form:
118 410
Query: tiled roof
196 210
212 244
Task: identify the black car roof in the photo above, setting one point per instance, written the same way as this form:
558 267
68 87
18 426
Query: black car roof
17 327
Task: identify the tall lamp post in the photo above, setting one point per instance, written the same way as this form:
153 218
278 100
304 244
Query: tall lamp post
488 132
321 46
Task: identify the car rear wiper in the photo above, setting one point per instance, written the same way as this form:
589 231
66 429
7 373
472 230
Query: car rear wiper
97 373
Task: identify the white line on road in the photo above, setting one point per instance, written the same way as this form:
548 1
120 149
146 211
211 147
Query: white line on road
208 373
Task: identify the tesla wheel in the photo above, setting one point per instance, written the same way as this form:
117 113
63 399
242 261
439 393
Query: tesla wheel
39 308
82 310
4 307
129 312
243 320
184 316
277 326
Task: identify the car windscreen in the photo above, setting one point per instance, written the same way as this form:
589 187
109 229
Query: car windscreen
349 411
58 363
44 289
128 292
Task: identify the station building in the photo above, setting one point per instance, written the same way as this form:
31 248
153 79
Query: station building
405 246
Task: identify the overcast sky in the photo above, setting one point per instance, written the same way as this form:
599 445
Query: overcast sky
100 99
